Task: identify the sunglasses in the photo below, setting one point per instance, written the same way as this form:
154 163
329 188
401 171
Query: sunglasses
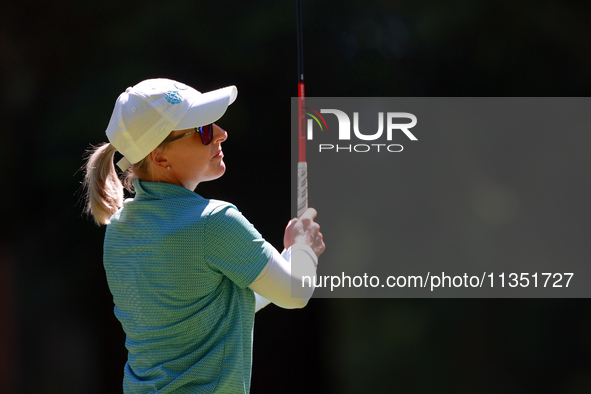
205 132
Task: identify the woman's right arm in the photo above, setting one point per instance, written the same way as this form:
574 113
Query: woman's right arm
286 283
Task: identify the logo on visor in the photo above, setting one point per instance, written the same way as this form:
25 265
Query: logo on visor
173 97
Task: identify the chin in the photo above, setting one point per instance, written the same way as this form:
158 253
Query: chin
218 173
221 169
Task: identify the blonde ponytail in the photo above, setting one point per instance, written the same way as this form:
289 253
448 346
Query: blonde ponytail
104 190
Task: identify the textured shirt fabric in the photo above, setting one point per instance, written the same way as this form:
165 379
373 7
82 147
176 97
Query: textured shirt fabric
179 266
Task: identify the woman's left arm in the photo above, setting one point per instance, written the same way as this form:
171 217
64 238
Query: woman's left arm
261 301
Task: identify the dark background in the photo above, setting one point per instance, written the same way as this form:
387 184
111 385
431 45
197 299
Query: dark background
63 64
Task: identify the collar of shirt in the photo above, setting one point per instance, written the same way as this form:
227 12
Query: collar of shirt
160 191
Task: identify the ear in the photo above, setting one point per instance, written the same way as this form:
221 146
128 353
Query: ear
159 158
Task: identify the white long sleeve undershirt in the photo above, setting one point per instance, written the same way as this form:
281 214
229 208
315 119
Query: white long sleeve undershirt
280 284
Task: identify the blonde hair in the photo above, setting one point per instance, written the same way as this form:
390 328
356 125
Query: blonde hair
104 190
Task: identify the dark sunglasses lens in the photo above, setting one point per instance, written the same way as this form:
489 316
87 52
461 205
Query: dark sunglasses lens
206 134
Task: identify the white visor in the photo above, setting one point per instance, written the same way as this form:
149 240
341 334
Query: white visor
144 115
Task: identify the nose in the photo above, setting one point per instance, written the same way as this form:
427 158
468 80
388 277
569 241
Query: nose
219 134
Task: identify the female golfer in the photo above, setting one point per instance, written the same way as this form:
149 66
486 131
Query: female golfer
186 273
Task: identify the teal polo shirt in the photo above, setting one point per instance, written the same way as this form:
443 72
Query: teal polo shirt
179 266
